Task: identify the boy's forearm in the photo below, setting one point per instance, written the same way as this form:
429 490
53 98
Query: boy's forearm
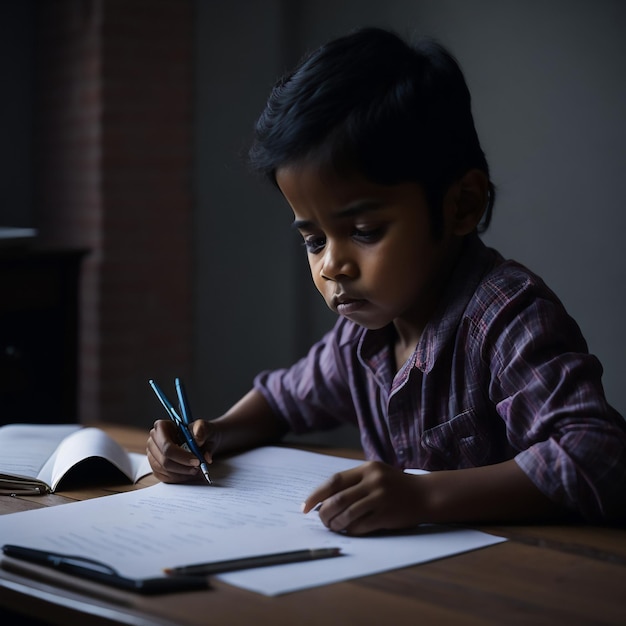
249 423
493 493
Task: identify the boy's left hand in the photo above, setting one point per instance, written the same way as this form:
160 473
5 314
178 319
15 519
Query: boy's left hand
367 498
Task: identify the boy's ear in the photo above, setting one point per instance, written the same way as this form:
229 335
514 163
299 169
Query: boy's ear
466 201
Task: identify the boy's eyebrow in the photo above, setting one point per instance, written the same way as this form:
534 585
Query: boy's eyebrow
358 208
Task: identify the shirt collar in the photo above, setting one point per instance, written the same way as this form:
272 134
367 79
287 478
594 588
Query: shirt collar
474 262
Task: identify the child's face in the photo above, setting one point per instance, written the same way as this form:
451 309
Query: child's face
370 247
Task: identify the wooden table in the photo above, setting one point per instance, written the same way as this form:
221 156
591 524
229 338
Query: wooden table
543 575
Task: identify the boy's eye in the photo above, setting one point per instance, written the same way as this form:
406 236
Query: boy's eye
314 243
368 235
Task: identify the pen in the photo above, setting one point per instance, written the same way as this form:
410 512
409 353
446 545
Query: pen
183 403
278 558
191 444
167 405
99 572
185 410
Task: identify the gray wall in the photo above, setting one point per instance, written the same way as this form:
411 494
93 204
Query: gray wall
244 311
547 79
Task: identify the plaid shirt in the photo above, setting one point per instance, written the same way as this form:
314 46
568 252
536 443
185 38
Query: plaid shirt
500 372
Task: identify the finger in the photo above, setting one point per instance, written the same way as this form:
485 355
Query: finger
165 436
336 483
344 508
358 518
205 435
166 452
168 460
365 525
168 473
379 502
164 431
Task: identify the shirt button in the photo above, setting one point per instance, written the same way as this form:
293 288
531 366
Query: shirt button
404 453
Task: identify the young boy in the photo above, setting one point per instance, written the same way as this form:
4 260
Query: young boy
446 356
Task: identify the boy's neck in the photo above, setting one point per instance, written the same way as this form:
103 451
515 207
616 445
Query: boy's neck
408 333
402 353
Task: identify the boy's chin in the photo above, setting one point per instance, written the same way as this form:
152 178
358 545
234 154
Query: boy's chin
367 324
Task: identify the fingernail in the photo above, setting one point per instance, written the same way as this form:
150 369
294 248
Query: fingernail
317 507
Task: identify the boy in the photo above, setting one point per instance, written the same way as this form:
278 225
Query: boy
448 357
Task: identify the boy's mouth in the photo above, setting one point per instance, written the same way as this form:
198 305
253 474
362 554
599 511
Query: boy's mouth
345 305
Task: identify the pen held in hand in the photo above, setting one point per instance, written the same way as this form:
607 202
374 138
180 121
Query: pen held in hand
167 405
265 560
192 446
190 442
183 403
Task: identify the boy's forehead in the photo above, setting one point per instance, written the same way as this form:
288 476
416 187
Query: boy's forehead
308 184
322 177
312 190
308 170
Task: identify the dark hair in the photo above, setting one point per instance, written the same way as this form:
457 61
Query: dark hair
371 103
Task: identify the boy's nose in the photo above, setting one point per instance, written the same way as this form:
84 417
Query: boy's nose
337 263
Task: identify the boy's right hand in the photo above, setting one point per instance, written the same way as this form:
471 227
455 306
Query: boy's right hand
169 461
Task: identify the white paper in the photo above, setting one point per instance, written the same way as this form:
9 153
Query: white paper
253 508
48 451
87 443
25 448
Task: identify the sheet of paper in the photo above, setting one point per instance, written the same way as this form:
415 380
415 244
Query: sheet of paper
140 465
42 441
73 448
253 508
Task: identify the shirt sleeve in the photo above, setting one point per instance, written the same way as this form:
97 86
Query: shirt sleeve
548 389
314 393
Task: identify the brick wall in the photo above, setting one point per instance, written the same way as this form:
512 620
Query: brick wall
114 145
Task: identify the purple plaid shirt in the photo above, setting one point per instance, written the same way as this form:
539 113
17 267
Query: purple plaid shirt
500 372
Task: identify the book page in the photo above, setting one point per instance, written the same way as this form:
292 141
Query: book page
83 444
25 448
140 466
253 508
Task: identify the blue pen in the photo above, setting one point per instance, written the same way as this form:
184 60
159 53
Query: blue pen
183 402
191 444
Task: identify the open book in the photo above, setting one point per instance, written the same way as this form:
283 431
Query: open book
41 458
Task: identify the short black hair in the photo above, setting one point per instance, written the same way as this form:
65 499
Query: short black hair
369 102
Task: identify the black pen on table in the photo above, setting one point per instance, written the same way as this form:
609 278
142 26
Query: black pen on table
89 569
264 560
183 423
